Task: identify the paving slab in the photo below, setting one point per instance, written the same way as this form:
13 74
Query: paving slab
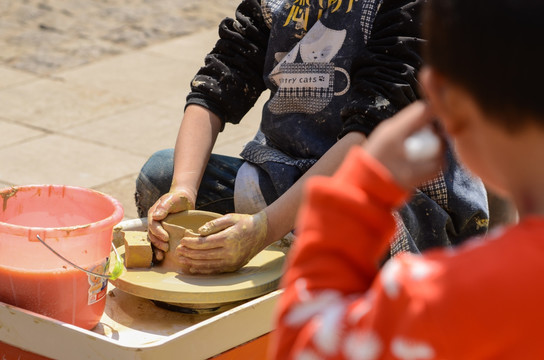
140 131
141 75
47 36
14 133
123 190
87 109
177 101
53 104
55 159
95 125
189 49
9 77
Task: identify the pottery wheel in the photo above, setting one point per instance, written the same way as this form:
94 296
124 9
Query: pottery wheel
260 276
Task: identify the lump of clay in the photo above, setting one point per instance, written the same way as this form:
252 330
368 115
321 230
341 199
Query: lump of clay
179 225
118 237
138 250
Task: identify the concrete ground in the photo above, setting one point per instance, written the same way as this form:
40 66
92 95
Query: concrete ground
95 125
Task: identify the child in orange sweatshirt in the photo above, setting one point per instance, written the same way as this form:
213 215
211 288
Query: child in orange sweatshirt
482 300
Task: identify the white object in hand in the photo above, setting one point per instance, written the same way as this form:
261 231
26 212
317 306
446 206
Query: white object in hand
422 145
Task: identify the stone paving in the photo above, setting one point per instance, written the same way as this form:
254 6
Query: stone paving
95 123
44 36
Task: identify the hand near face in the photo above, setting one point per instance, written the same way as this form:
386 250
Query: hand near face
388 144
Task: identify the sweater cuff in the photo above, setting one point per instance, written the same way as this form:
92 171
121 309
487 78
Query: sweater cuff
196 100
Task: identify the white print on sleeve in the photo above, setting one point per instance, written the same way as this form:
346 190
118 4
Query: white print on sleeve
411 350
421 269
362 345
361 307
310 305
307 355
389 278
418 269
329 327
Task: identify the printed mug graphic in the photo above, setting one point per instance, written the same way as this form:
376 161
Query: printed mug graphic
305 87
306 83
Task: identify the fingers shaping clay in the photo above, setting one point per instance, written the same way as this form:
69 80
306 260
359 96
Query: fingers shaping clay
138 251
179 225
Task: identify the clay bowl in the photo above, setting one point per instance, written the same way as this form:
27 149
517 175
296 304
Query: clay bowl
177 226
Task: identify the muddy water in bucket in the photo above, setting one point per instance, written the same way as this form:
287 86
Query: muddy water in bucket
77 223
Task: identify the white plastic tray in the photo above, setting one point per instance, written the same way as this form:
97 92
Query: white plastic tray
134 328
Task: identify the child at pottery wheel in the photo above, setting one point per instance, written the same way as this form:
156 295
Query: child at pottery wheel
482 300
334 72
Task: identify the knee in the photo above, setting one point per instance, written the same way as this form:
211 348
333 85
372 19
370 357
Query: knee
158 167
154 180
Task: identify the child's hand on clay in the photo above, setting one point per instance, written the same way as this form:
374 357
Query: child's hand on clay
171 202
226 244
410 161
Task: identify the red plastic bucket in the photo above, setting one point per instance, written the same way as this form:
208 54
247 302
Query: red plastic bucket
78 224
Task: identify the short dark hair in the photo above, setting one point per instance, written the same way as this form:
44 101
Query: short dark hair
494 49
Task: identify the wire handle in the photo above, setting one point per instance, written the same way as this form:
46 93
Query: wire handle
117 268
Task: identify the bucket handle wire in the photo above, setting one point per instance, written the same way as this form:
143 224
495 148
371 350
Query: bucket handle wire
115 273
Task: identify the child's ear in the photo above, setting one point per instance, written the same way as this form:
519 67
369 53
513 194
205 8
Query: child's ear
447 100
434 87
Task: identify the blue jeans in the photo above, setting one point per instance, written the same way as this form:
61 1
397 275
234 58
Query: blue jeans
216 192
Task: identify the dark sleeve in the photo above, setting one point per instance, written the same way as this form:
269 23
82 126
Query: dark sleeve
385 72
231 80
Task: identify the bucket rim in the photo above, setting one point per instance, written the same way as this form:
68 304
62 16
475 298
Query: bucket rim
31 231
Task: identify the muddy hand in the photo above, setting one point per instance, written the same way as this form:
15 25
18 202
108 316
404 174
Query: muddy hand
226 244
169 203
